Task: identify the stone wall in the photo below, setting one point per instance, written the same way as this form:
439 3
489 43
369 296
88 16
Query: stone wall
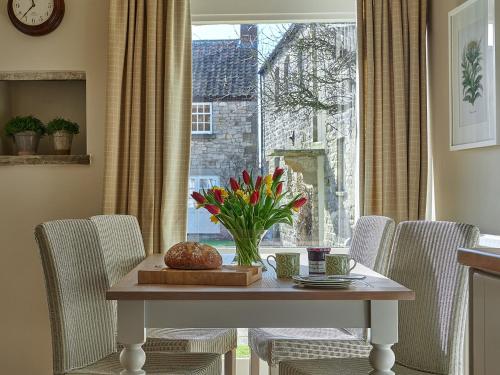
232 147
233 144
332 135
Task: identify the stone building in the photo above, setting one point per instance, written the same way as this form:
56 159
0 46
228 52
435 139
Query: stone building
224 118
309 128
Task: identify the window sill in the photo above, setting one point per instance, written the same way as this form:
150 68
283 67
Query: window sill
197 137
6 160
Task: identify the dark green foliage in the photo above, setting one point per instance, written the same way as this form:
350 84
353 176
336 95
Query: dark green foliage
59 124
471 72
24 123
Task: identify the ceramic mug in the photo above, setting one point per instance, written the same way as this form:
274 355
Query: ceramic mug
339 264
287 264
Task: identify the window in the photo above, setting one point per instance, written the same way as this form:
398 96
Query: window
201 118
199 220
284 100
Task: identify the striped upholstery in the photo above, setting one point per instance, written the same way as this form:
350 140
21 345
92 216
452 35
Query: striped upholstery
341 366
123 248
159 363
279 344
371 241
431 328
370 245
82 321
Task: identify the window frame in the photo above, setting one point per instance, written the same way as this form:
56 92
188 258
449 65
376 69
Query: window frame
211 131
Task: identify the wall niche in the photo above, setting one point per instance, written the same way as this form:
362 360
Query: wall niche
45 95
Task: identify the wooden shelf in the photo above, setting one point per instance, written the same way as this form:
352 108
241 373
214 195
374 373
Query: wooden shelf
44 159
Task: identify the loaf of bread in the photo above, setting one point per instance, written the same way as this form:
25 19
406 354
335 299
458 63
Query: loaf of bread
193 256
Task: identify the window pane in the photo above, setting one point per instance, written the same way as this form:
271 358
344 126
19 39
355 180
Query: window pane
286 102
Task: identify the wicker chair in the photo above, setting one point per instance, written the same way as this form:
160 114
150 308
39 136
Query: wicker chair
370 244
123 248
82 321
431 328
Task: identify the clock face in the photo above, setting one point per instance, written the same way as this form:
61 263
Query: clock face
33 12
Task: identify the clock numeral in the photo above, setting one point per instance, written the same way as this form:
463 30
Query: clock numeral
33 20
18 5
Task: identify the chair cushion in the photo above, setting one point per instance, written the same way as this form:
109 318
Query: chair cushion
191 340
278 344
341 366
160 364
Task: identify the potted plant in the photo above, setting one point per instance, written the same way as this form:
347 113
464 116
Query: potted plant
26 132
62 132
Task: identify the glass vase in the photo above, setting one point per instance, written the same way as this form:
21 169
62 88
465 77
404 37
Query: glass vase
247 250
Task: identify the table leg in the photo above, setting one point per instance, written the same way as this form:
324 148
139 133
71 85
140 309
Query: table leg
384 334
132 335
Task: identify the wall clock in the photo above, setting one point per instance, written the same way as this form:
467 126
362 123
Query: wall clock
36 17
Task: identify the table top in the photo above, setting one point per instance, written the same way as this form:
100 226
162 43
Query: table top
482 258
373 287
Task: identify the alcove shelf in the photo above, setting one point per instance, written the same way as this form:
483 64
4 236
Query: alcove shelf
6 160
45 95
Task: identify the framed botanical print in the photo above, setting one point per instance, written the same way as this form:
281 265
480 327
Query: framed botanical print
472 68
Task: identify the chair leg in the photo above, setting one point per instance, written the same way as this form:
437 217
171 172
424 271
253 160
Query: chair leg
230 362
254 363
273 370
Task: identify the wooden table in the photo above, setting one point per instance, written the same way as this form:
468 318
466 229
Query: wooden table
371 303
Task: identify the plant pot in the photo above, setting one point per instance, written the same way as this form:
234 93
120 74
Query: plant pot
27 142
62 141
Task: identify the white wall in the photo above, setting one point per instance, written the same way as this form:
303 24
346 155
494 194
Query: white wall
467 183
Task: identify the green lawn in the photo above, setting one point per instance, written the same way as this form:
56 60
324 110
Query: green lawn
216 243
242 351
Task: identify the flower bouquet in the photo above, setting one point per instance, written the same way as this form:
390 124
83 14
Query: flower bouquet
248 208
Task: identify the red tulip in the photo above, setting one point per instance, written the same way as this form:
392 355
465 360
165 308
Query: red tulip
218 196
277 173
279 188
299 203
234 184
254 198
246 177
198 197
258 183
214 210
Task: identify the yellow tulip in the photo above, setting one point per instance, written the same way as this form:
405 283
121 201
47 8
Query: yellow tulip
214 219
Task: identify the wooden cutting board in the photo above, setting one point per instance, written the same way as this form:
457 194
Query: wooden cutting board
225 276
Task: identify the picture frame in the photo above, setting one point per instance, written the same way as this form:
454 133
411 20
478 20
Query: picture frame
473 65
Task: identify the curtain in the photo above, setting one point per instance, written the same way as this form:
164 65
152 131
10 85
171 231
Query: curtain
393 107
148 124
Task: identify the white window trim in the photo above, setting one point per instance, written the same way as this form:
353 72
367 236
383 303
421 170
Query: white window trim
202 113
240 11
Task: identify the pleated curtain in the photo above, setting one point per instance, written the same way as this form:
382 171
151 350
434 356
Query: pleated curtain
393 107
148 125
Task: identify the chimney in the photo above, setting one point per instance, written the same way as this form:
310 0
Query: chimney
248 35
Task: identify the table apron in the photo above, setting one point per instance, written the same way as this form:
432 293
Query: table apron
257 314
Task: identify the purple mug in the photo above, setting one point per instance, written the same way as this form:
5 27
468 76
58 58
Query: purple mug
316 256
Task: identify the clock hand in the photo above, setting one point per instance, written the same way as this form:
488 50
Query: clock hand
24 15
